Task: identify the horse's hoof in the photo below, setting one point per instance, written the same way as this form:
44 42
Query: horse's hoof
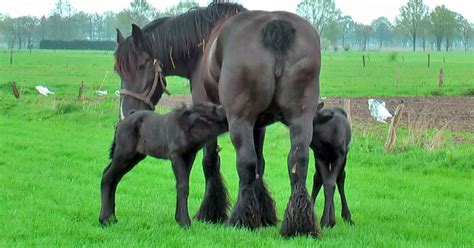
108 221
300 218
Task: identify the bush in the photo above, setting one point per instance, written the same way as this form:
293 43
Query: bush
77 45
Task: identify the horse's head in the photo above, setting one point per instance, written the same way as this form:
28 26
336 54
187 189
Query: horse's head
142 79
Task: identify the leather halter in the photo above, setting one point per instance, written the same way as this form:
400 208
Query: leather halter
146 96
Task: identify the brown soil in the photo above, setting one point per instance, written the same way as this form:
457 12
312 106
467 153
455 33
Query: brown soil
454 113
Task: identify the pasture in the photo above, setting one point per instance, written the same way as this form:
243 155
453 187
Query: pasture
53 150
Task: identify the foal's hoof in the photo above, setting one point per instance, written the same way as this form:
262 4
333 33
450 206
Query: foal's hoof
108 220
350 222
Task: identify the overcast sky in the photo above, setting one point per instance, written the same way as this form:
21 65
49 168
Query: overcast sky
363 11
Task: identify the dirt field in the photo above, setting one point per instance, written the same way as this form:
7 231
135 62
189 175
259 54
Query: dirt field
453 113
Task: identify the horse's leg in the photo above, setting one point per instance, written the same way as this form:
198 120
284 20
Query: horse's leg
182 165
299 215
111 176
216 199
247 211
267 204
346 214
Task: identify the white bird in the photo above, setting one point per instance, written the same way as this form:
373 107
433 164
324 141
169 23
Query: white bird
43 90
378 111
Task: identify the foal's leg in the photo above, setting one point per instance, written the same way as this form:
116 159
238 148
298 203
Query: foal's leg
112 175
346 214
267 204
317 181
182 165
299 215
323 169
215 204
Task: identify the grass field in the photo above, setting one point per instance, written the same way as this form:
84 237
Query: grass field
53 150
342 73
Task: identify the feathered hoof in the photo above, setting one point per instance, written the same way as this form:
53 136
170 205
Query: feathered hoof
300 218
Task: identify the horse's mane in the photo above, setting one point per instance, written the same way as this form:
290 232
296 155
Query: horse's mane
176 36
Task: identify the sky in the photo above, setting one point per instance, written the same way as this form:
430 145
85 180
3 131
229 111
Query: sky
363 11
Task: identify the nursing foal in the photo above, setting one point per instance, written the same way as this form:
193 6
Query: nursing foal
177 136
330 145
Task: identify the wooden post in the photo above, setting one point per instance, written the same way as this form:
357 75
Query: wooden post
440 81
392 131
11 57
428 60
347 108
15 91
80 97
397 80
363 60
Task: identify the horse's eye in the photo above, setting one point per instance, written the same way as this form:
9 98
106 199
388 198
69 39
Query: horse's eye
141 67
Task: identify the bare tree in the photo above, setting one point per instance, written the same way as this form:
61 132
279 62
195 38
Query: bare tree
466 30
320 13
382 30
410 18
444 25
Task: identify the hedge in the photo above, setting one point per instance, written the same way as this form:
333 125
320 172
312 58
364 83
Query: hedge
78 45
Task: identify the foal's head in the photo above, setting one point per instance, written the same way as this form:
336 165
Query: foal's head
142 81
202 121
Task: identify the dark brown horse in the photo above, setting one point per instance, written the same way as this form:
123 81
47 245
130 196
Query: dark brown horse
262 67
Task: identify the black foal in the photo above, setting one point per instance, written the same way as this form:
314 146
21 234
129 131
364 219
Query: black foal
330 144
177 136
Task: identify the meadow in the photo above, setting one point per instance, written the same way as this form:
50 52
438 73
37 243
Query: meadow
53 150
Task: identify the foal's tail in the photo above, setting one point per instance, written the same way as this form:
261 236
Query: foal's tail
278 36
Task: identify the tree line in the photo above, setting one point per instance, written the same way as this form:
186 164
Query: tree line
416 26
67 24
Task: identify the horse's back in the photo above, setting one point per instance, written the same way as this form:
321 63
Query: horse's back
256 72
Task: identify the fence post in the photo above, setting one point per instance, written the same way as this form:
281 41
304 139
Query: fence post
363 60
11 57
80 97
347 108
440 81
428 60
392 131
15 91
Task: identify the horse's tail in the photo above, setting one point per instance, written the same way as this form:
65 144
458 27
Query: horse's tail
278 36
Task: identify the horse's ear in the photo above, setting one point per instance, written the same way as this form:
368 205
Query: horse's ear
320 106
120 37
137 35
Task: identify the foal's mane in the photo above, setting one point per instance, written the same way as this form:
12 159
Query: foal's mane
175 37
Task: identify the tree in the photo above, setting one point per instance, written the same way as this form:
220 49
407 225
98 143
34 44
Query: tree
141 12
410 18
426 31
320 13
333 33
363 33
444 25
181 7
347 26
466 31
382 30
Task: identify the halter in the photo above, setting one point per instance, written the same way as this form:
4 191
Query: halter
146 96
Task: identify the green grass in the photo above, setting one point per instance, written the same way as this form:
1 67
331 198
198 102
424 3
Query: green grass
53 151
342 73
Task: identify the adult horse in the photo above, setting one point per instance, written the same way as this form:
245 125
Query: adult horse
262 67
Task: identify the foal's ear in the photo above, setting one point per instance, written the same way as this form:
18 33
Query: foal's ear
137 35
120 37
320 105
